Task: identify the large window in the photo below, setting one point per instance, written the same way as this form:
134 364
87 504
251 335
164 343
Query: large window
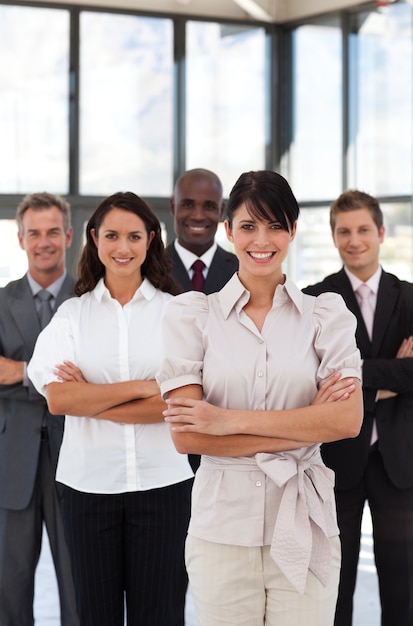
316 146
381 75
34 99
225 99
126 104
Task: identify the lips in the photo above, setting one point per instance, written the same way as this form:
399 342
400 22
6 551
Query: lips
261 256
122 261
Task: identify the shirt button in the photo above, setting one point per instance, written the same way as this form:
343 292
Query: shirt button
258 483
260 374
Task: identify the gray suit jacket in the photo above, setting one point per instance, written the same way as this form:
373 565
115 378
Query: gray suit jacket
224 265
22 408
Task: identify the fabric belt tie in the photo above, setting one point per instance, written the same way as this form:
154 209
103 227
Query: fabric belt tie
300 541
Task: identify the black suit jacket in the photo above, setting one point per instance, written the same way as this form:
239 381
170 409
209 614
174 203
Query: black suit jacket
393 322
22 408
224 265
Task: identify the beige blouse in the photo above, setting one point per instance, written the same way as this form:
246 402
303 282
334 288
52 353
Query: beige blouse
284 500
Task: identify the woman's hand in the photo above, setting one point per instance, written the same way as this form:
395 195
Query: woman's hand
189 415
68 372
334 389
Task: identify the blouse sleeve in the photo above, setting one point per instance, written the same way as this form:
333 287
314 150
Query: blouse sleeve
53 346
335 341
182 342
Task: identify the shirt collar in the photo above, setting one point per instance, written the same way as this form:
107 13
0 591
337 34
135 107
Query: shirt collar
146 290
54 288
187 257
235 295
372 282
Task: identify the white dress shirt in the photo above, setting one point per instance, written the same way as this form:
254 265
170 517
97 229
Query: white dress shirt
187 257
286 499
109 343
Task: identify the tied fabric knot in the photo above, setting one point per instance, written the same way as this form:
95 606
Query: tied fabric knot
198 279
45 310
300 541
364 294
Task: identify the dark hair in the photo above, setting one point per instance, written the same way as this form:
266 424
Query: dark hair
352 200
40 201
157 266
267 196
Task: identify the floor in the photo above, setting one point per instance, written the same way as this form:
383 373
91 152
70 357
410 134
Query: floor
366 604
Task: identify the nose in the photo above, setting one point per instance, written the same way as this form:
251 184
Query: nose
198 212
261 237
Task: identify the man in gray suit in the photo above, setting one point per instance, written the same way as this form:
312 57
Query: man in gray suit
30 437
197 207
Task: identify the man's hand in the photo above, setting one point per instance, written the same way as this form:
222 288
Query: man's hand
11 372
405 351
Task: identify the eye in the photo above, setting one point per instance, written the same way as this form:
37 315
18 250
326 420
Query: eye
110 236
247 226
276 226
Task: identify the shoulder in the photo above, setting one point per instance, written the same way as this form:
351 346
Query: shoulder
220 253
15 287
404 285
330 283
191 305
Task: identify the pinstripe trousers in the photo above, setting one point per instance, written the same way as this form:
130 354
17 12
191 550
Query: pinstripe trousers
127 551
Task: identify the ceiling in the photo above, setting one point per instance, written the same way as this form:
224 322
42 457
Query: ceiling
262 10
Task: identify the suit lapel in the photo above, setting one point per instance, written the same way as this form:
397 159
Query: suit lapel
23 309
344 287
386 300
179 270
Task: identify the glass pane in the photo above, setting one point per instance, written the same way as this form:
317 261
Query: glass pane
316 151
13 260
225 99
313 255
126 95
381 129
34 102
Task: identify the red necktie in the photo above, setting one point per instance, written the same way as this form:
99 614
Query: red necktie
198 279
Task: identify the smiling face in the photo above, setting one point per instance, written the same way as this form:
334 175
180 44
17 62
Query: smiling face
122 243
358 240
44 239
197 209
260 245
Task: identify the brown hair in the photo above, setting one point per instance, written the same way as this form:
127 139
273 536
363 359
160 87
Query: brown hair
352 200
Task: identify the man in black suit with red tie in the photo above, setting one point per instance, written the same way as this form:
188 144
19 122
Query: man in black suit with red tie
197 207
377 466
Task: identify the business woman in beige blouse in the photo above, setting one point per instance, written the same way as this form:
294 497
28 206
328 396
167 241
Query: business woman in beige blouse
256 376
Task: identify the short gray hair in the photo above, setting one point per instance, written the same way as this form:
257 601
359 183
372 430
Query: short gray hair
43 200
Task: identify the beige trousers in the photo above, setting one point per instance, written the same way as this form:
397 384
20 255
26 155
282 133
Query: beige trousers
242 586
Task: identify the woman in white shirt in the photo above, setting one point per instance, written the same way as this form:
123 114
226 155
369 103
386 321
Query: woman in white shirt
252 376
126 490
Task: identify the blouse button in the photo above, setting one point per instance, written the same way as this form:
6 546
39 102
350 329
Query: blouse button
260 374
258 483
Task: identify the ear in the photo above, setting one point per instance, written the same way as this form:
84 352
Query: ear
228 231
69 237
20 238
222 209
293 231
94 236
150 238
382 232
172 207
